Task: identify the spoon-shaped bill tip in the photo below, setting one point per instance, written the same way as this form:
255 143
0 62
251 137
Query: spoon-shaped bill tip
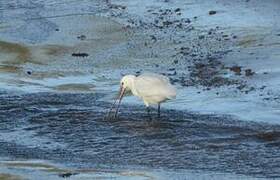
121 93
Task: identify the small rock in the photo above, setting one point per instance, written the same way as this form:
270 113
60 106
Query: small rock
67 175
180 25
251 89
153 38
80 54
240 87
212 12
265 72
114 6
56 29
82 37
175 61
249 72
167 23
29 72
236 69
188 21
201 37
177 10
172 74
184 48
234 37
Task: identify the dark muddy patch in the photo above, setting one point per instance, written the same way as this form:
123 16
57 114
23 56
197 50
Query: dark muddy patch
209 74
71 129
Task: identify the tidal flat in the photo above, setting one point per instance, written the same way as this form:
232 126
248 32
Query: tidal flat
60 66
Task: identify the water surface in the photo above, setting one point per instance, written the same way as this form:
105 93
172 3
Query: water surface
71 129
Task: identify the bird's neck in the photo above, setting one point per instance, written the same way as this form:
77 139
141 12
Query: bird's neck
132 88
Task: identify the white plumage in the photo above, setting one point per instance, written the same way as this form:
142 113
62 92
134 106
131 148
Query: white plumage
151 88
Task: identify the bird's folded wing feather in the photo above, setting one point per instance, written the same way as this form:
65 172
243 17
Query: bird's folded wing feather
150 84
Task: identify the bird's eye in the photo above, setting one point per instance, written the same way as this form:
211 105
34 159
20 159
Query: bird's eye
122 83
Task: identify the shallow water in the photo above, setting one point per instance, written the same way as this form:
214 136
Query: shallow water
71 129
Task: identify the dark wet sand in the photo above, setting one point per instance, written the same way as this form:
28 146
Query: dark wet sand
70 129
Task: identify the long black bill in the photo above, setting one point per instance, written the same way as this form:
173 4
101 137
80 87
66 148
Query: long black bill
121 93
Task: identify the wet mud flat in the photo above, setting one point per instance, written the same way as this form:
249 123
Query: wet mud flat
70 129
221 56
220 53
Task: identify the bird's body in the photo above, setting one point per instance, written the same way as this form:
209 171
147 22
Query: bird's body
151 88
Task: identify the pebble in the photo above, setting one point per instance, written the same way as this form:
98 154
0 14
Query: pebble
236 69
80 54
212 12
249 72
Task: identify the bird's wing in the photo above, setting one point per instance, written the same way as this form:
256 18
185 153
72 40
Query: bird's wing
154 77
150 84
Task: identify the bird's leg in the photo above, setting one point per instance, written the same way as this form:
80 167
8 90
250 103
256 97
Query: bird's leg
149 112
158 110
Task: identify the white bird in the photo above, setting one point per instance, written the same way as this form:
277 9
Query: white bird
151 88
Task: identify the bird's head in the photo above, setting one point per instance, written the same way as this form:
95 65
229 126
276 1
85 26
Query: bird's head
126 82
